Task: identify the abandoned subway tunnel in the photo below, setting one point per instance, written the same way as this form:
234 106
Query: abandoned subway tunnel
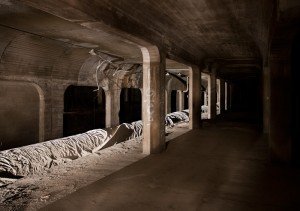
154 105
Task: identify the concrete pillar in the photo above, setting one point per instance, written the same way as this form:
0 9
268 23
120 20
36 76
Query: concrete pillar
153 113
266 100
218 91
226 96
57 109
194 97
112 107
180 100
222 97
280 139
212 95
209 97
168 101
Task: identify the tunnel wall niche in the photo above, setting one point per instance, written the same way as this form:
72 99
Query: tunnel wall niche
20 114
84 109
130 105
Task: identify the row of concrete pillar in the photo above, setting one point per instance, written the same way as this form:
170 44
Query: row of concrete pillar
153 98
153 102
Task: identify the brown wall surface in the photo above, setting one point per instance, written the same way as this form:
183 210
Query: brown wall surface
19 112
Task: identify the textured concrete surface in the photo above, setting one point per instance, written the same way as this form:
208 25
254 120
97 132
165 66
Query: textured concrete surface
47 43
19 112
222 167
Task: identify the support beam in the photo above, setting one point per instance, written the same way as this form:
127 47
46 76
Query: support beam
168 101
195 97
212 94
226 96
112 107
57 109
153 105
218 91
222 93
180 100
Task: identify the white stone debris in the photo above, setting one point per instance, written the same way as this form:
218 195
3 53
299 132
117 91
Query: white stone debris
175 117
33 158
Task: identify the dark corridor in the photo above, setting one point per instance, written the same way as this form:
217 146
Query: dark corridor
130 105
173 100
84 109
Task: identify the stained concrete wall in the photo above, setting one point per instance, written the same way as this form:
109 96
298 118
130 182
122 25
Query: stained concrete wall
19 112
53 66
50 65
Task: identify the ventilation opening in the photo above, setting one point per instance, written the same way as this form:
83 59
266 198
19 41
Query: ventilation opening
130 105
84 109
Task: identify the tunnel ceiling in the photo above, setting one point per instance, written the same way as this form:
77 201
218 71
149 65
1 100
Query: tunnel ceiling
23 18
190 30
239 73
193 29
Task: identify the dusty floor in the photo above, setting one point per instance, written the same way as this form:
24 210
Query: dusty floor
220 167
34 192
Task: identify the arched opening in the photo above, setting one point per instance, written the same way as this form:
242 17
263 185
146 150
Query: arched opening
173 100
20 112
130 105
84 109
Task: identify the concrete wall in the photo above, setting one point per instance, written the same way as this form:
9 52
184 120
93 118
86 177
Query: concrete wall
50 65
19 112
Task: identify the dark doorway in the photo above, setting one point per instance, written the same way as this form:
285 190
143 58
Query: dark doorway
130 105
173 100
245 99
84 109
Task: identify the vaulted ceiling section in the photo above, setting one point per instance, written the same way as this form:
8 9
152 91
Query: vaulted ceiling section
190 31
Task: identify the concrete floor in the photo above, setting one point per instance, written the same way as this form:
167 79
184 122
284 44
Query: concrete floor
219 167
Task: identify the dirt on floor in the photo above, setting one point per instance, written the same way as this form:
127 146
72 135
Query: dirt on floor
36 191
